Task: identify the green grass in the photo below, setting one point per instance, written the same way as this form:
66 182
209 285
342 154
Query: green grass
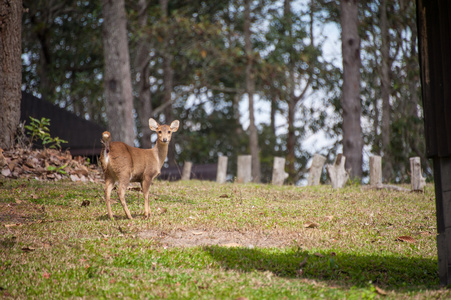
52 247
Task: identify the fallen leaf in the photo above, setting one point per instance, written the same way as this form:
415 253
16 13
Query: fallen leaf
162 210
406 238
311 225
197 232
425 233
85 203
224 196
318 254
228 245
28 249
380 291
13 225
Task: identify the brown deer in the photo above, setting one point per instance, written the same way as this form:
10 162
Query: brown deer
124 164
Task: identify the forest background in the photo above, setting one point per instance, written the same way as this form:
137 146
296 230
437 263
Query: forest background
198 61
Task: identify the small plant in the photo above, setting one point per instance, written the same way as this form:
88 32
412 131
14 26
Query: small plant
57 169
39 131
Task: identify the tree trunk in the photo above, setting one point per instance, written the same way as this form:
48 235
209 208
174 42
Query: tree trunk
168 79
144 103
10 70
117 85
385 92
292 101
250 89
350 101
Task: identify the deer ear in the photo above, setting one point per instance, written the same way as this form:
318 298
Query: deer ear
174 125
153 125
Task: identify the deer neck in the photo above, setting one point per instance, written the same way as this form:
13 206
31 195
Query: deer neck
162 152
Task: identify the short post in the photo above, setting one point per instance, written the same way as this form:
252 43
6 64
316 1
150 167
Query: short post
244 169
337 173
278 172
186 173
375 170
221 174
316 168
417 180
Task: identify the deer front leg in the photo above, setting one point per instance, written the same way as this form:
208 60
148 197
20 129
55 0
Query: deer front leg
109 184
122 188
145 185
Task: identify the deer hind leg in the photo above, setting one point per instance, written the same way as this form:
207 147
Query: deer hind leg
122 188
109 184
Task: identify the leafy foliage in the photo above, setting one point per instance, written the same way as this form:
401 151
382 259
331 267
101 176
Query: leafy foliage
39 131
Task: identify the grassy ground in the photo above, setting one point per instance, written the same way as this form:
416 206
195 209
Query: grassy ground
272 243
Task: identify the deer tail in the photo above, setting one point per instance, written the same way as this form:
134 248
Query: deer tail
106 139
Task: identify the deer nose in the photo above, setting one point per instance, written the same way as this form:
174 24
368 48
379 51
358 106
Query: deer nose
165 140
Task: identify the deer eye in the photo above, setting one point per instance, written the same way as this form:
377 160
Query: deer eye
159 131
169 131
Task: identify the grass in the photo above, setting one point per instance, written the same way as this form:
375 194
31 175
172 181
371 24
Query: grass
53 247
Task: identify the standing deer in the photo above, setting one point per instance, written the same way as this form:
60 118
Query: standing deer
124 164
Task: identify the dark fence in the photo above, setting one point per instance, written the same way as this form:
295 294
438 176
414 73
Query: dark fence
200 172
83 136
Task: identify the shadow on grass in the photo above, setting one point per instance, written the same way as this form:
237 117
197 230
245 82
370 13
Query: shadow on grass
389 272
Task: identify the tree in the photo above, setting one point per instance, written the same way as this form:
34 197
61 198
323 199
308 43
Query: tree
385 91
142 69
250 89
117 78
350 101
63 55
10 70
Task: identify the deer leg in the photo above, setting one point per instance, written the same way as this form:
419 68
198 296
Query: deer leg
145 187
109 184
122 188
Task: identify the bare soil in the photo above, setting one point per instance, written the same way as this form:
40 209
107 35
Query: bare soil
192 238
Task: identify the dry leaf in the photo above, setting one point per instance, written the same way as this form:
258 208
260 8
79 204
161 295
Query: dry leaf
311 225
380 291
318 254
224 196
13 225
406 238
197 232
85 203
28 249
229 245
162 210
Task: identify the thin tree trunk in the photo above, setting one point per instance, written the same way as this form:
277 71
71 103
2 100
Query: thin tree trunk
250 89
117 85
292 100
387 169
10 70
168 79
144 103
350 101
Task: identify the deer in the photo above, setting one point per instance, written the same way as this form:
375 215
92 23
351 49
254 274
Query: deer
123 164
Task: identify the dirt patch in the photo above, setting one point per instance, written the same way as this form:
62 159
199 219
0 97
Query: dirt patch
192 238
23 213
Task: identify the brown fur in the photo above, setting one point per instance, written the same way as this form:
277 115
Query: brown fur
124 164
